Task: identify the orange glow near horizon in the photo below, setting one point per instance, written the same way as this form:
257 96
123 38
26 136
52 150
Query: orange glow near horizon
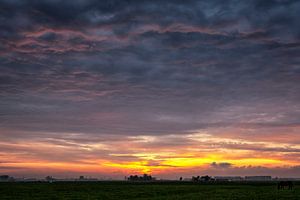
148 154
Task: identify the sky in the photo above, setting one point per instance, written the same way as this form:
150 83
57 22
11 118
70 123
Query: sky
170 88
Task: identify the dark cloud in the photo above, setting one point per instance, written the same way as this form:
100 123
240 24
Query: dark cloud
256 170
221 165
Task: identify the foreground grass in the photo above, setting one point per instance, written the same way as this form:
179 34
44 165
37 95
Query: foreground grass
145 191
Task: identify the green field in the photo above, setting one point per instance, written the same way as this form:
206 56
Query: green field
127 190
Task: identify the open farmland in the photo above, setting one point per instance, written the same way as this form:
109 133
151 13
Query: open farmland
156 190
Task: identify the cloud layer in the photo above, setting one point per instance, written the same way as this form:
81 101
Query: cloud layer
80 76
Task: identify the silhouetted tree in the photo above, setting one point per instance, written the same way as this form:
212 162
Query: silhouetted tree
145 177
195 179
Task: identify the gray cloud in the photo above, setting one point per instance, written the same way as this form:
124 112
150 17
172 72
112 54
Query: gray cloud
221 165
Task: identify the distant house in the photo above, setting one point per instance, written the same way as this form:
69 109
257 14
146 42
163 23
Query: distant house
228 178
6 178
82 178
50 179
206 178
258 178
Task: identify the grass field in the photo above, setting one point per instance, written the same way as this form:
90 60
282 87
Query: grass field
143 191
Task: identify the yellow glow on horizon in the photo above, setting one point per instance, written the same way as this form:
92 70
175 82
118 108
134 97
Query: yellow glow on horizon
145 155
144 166
190 162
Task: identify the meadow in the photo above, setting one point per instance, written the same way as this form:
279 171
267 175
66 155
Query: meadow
145 191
